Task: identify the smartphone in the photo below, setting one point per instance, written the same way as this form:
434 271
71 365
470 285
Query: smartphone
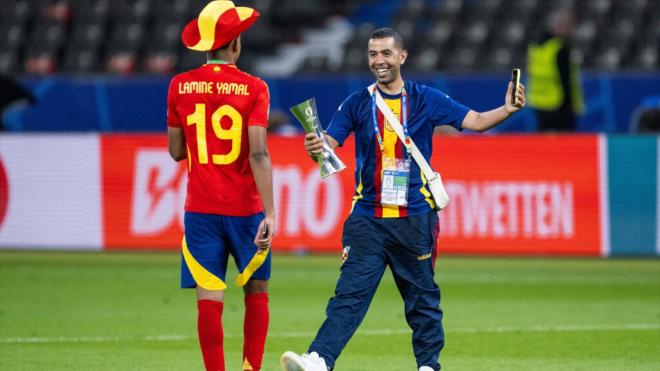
264 233
515 79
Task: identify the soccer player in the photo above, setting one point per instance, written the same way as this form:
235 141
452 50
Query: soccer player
217 118
389 231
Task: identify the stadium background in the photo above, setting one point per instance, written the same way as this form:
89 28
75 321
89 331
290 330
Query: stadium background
85 167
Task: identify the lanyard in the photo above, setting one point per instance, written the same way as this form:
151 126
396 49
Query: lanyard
404 120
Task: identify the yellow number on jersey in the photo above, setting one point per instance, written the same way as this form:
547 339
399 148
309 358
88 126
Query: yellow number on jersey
234 133
199 118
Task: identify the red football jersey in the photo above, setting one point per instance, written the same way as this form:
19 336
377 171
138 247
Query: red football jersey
214 105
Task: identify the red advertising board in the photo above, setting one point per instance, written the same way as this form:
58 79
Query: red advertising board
520 194
525 195
144 193
4 192
310 211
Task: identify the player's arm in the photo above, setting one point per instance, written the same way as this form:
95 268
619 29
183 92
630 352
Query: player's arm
176 143
176 140
482 121
263 177
314 144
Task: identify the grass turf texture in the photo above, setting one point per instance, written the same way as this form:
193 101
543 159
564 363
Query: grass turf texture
124 311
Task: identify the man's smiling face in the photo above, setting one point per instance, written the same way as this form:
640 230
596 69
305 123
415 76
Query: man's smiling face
385 59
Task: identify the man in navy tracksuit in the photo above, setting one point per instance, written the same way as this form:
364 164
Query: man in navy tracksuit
393 221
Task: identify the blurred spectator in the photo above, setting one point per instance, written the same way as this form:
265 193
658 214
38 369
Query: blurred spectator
58 11
646 118
649 121
12 97
279 124
553 77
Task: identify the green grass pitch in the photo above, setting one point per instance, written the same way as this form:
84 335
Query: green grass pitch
124 311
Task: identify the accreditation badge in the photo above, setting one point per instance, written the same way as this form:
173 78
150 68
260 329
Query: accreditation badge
394 185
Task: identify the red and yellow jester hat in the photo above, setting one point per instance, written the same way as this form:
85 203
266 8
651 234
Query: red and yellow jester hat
218 23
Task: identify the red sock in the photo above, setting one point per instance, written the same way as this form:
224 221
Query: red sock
209 330
255 328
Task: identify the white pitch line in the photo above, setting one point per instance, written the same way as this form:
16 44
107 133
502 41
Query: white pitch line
380 332
93 339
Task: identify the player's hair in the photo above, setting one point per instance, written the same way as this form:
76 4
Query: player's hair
223 47
385 32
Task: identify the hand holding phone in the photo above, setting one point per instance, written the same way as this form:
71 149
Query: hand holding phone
515 80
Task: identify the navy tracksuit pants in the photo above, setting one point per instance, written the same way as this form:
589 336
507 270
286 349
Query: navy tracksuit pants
407 246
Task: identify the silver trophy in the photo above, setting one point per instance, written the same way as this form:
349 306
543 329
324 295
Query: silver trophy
306 113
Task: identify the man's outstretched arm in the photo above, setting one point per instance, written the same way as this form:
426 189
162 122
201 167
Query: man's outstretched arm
482 121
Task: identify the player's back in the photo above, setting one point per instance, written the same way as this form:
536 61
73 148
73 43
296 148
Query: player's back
214 105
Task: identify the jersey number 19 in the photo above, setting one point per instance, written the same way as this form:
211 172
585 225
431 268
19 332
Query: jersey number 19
233 133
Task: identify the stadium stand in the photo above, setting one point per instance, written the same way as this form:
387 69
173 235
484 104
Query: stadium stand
142 36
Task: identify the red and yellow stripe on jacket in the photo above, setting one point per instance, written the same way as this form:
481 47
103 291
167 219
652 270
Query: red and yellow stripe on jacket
392 148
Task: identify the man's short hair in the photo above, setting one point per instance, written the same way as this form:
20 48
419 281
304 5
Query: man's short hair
385 32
